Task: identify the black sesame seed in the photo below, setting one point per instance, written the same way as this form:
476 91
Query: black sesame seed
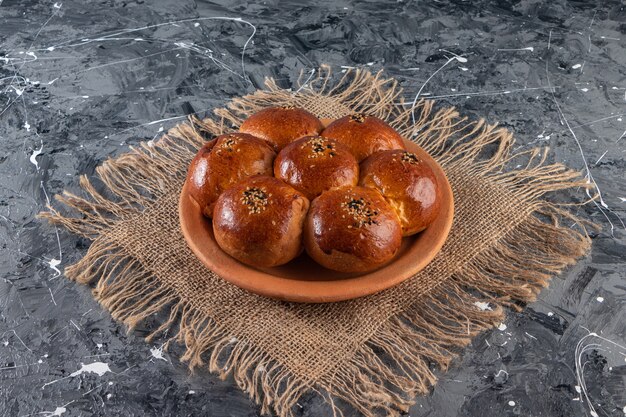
409 157
358 117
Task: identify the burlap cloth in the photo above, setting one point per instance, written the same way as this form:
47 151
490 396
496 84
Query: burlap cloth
375 353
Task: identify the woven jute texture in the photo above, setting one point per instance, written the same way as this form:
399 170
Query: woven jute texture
373 354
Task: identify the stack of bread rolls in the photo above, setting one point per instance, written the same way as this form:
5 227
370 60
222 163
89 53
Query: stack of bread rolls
347 193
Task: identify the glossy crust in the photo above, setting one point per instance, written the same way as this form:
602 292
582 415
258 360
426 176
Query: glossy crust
281 125
363 135
408 184
315 164
222 163
259 221
352 229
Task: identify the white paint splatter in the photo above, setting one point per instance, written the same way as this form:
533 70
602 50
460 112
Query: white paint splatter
454 58
6 343
196 24
482 305
52 296
58 411
584 90
550 314
157 352
512 403
58 5
500 372
192 391
502 327
464 68
589 177
577 388
600 299
528 48
576 66
530 335
53 265
98 368
602 156
109 396
34 155
549 39
27 126
18 91
583 346
99 345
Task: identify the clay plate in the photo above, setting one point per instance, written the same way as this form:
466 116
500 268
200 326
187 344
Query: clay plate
303 280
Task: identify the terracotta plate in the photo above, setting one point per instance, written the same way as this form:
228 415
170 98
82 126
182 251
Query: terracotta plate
303 280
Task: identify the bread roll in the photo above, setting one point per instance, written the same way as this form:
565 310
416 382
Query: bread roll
281 125
223 162
259 221
315 164
352 229
364 135
408 184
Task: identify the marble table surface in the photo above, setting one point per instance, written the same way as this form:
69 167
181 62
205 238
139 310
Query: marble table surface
81 81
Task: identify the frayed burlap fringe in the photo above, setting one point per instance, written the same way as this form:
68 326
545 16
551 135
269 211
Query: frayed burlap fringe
395 359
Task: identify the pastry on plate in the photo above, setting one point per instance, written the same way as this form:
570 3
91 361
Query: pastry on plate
223 162
352 229
259 221
364 135
408 184
315 164
281 125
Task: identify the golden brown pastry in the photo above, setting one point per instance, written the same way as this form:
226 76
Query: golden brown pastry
281 125
352 229
364 135
315 164
223 162
408 184
259 221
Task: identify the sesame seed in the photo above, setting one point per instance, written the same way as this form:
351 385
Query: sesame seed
358 117
360 212
320 146
230 142
409 157
255 198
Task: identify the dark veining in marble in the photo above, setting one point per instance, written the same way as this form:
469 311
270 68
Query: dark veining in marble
77 87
